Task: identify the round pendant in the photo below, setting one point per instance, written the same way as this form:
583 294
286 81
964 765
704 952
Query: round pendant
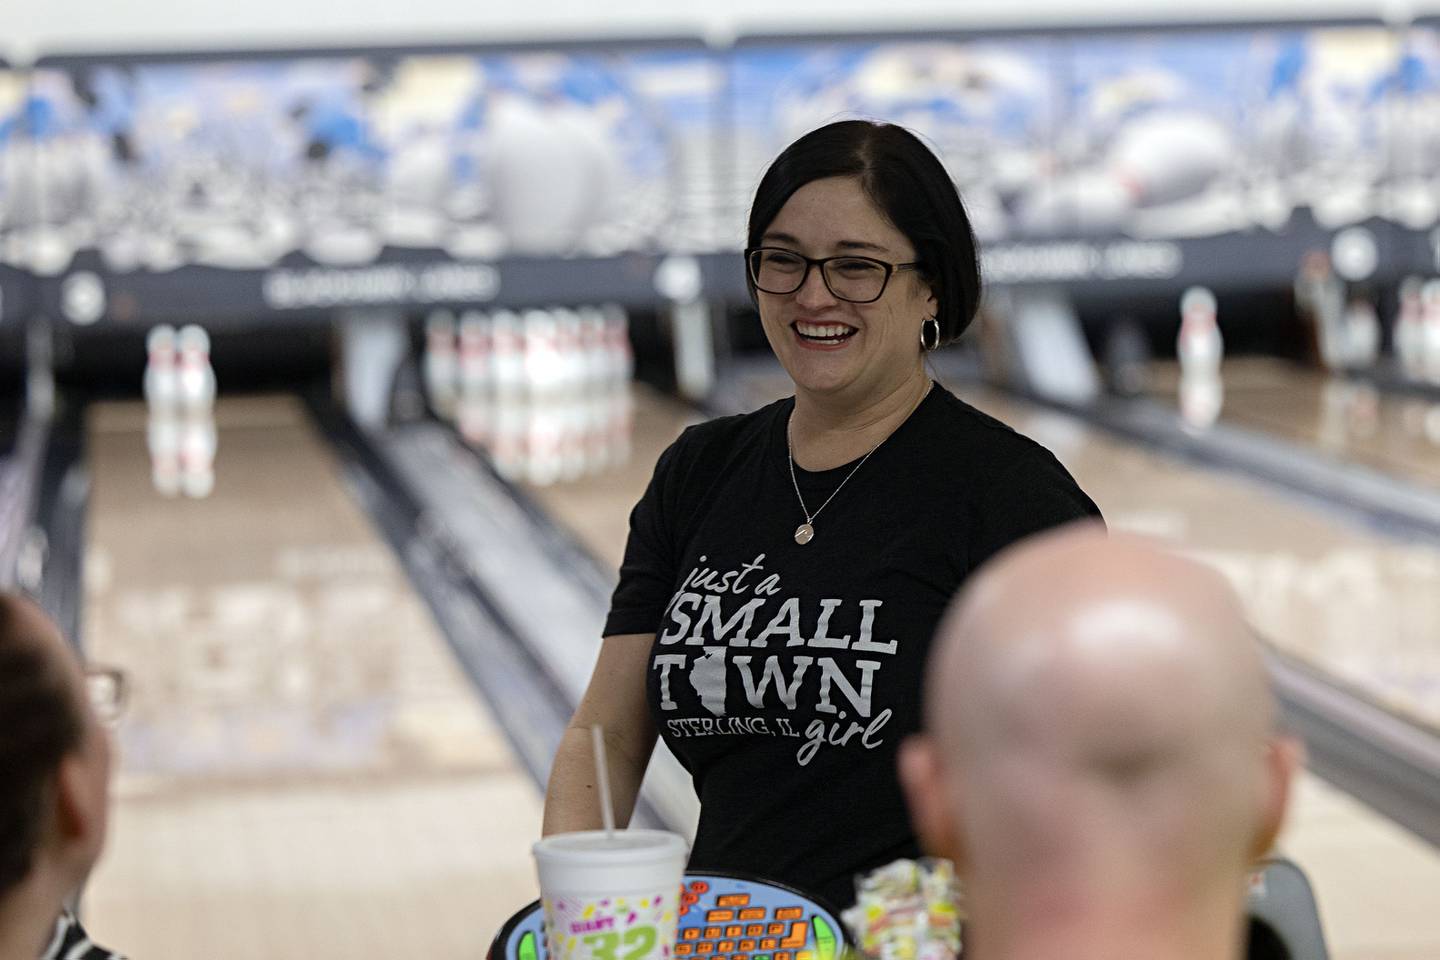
804 534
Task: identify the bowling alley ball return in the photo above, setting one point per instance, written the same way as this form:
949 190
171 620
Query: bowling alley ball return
722 917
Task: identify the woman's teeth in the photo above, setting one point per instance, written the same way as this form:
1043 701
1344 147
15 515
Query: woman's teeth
824 332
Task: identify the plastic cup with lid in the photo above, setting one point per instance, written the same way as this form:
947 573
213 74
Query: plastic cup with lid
612 896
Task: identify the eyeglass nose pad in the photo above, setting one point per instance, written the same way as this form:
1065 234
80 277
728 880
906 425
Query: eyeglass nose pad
813 283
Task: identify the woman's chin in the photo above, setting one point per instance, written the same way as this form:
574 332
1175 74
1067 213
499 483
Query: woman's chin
818 378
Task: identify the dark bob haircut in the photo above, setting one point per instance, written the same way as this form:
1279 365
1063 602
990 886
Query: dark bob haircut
909 186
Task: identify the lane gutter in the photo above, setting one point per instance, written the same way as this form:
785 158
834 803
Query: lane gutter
527 701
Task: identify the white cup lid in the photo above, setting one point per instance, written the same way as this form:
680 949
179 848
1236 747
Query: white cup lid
620 847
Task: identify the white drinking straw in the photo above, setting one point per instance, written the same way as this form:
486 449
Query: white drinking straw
602 774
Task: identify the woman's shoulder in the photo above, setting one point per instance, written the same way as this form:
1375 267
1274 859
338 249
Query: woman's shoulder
982 433
721 437
1008 472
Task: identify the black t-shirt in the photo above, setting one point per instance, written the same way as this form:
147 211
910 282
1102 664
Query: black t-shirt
785 676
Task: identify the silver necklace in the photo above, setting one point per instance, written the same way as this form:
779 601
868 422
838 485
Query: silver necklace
806 531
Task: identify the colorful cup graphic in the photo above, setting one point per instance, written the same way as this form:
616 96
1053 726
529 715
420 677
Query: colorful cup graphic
611 898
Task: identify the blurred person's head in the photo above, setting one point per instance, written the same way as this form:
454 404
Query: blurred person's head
55 756
1100 755
872 190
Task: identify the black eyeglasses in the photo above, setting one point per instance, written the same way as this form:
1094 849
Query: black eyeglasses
854 279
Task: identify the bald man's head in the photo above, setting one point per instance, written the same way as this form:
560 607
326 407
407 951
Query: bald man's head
1096 708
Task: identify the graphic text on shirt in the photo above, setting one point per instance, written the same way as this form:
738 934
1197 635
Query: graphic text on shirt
831 675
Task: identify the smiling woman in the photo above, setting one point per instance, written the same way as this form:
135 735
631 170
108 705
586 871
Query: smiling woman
782 663
847 333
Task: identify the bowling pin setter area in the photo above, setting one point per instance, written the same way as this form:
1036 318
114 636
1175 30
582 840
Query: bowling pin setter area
331 372
546 393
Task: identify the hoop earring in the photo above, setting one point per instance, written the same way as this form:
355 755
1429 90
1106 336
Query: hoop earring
929 323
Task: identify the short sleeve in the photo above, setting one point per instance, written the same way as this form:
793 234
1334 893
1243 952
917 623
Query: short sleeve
1035 495
647 574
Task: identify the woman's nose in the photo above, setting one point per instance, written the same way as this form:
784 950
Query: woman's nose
813 292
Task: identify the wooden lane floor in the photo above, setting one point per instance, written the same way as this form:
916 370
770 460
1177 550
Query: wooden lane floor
1360 606
1356 603
1346 419
304 771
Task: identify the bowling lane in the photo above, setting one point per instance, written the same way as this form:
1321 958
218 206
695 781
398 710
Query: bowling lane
304 771
1347 419
1312 584
1359 606
597 509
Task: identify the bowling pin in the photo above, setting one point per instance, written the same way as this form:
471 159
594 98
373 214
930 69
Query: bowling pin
1330 330
1333 431
162 387
617 336
440 369
544 366
1430 330
473 363
507 355
508 394
1362 334
570 400
1364 409
162 437
1201 398
1200 346
474 368
509 443
568 327
1320 299
593 404
475 421
621 372
196 377
1407 334
161 384
545 386
545 439
195 427
593 349
197 454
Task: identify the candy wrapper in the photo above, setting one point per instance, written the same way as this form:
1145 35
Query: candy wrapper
907 910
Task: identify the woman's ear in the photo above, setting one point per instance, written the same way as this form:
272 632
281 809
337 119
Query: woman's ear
932 809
